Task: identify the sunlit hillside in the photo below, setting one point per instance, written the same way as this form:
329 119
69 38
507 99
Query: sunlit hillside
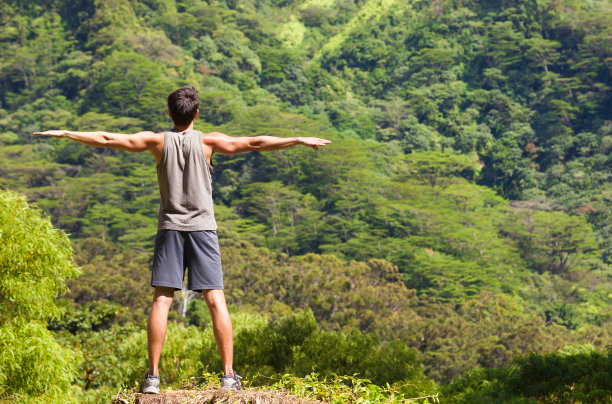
452 242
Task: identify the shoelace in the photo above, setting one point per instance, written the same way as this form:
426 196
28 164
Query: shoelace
236 377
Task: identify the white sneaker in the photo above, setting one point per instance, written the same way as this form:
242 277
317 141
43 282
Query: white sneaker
150 384
229 382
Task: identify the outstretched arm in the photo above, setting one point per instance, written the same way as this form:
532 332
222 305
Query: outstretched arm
137 142
224 144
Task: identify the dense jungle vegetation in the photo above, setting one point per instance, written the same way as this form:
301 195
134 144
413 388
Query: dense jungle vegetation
454 239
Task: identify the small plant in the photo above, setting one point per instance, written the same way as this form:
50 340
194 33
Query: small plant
343 389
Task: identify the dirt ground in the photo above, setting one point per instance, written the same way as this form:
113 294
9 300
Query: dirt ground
211 395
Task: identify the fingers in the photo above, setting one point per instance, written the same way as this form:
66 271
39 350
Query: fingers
316 142
54 133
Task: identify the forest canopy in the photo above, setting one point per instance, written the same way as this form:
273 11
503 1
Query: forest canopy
461 219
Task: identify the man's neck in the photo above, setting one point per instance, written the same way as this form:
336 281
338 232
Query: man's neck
182 128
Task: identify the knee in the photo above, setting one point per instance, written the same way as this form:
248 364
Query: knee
215 301
163 300
163 296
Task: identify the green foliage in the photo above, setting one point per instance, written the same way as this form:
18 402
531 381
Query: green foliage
455 340
90 317
290 215
277 343
343 353
575 373
572 374
32 362
342 389
35 262
117 355
552 241
294 344
334 290
434 167
113 265
131 85
439 111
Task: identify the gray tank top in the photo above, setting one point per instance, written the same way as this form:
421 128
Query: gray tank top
185 184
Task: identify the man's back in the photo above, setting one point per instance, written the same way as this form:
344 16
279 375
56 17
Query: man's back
185 183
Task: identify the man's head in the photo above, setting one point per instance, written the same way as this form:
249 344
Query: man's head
183 105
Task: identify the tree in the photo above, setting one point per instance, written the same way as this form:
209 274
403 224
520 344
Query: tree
553 241
35 262
129 84
572 374
542 52
436 168
488 330
502 49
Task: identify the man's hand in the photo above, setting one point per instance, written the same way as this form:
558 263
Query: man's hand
313 142
54 133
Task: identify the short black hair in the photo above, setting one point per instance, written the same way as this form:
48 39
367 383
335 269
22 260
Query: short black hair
183 105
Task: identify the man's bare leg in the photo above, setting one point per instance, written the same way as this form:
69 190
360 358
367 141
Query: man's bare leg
157 325
222 327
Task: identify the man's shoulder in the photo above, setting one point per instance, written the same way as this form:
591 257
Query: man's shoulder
148 133
159 136
211 137
152 139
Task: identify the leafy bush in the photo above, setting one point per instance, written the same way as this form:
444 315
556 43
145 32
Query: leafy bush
356 353
573 374
347 389
263 347
31 360
35 262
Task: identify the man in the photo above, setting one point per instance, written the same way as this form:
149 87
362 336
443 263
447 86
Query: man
186 234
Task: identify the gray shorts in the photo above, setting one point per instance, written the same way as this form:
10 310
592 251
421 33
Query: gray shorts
198 251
